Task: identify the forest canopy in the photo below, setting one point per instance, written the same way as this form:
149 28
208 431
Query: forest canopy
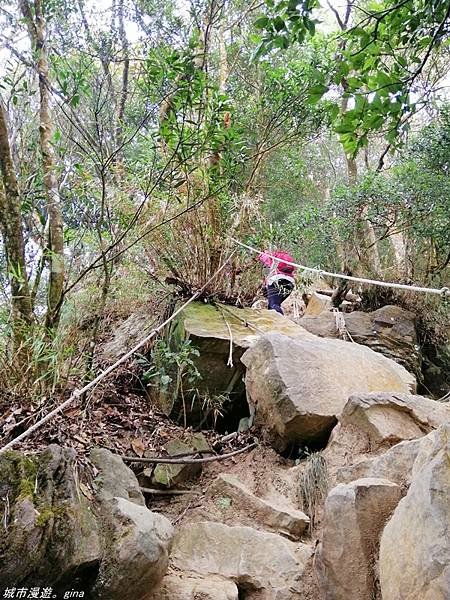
137 136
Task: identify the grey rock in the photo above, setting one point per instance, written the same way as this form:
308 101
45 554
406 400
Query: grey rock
114 478
280 517
389 418
390 330
354 517
415 545
299 387
251 558
137 559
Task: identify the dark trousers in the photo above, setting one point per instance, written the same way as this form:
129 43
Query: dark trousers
277 293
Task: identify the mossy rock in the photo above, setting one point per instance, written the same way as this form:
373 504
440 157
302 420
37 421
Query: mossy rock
208 328
170 476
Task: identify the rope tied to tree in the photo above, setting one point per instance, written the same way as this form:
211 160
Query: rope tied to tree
444 292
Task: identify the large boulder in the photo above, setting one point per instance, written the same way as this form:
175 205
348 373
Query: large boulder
300 386
111 546
354 517
47 521
258 562
390 418
218 333
390 330
415 545
136 552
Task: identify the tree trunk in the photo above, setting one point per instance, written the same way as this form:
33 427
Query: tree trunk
398 246
125 76
11 222
367 237
36 29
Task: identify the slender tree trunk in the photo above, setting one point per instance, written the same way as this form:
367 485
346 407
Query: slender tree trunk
125 75
398 246
366 234
11 223
36 28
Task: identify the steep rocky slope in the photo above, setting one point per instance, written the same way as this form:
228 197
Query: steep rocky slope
347 456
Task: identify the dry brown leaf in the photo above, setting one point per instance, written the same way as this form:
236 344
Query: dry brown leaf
138 447
72 412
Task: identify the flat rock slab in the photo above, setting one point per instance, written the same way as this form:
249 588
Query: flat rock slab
251 558
280 517
247 325
415 545
300 386
354 517
390 418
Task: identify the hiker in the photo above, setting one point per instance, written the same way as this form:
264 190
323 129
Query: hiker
279 280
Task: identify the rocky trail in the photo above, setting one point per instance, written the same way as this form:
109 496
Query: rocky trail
345 495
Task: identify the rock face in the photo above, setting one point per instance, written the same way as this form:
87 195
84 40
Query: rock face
317 304
109 545
300 386
390 418
415 545
176 587
395 464
208 328
390 330
354 517
282 519
52 525
256 561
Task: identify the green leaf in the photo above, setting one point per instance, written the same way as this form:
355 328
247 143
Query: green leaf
279 24
262 23
318 89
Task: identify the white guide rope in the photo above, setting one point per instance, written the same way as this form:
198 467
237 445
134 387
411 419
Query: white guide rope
444 292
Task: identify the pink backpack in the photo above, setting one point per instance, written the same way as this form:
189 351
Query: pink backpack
282 267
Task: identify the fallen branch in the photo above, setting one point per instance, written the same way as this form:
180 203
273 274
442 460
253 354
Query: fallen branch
166 492
227 438
186 461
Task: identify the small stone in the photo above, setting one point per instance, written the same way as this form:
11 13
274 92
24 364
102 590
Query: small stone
170 476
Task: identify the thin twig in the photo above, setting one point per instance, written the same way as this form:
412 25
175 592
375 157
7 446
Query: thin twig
186 461
166 492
